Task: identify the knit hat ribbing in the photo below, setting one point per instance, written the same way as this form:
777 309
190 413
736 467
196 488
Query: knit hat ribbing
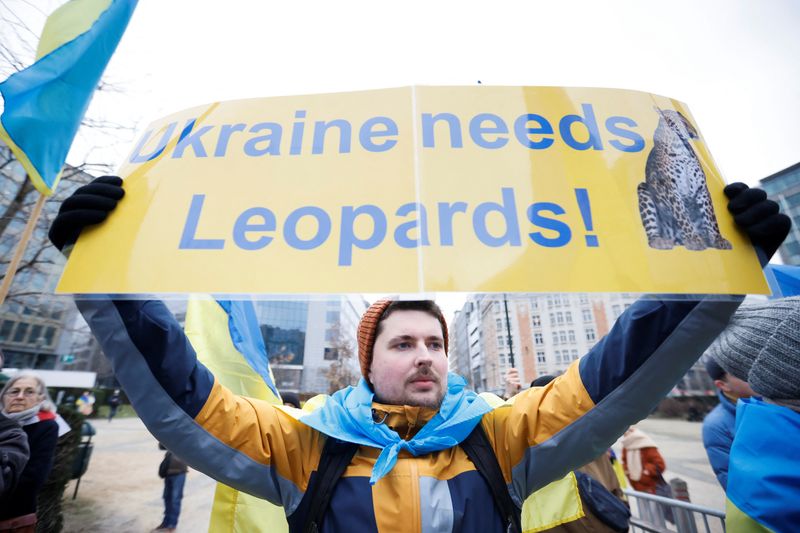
761 345
743 339
367 331
776 370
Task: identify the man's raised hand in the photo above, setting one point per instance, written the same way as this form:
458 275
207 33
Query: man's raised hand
88 205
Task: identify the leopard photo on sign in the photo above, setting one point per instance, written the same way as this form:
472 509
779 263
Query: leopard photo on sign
674 201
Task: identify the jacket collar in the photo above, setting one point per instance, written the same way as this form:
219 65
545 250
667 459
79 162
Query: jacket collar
405 420
726 403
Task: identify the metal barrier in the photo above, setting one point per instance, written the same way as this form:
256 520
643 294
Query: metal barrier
656 514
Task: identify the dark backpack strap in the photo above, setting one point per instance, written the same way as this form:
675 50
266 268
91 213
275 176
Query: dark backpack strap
480 452
336 455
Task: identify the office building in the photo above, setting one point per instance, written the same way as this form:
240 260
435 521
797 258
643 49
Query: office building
784 188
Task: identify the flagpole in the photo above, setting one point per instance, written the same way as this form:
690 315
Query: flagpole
20 250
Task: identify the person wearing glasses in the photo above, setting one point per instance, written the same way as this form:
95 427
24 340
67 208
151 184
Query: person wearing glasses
14 450
24 399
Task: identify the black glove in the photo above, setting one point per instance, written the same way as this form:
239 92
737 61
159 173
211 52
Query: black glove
758 217
88 205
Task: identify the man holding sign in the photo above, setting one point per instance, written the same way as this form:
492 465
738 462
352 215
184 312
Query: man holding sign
409 448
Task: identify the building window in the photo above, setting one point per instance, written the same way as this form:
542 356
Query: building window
536 320
5 329
555 337
540 357
587 315
332 317
560 317
571 335
49 336
19 334
36 334
562 335
500 341
538 339
568 317
584 299
589 334
499 324
574 354
331 354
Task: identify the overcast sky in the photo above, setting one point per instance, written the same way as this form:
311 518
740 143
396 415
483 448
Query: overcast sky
734 62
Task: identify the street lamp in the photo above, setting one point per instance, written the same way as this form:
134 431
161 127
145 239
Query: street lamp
508 333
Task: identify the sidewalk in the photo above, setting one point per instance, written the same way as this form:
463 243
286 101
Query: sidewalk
121 491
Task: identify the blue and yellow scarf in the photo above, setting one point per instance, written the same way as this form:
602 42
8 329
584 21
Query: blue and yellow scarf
347 416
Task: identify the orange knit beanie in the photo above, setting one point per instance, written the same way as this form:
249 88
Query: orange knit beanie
368 328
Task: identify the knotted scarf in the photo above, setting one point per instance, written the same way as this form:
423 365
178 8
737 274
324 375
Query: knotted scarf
347 416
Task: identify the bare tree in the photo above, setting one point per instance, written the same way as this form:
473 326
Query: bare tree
340 374
18 41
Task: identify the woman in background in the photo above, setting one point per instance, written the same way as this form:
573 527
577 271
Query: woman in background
641 460
644 467
24 399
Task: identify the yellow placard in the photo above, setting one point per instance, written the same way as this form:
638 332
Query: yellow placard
421 189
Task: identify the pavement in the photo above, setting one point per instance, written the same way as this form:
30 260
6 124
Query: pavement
121 491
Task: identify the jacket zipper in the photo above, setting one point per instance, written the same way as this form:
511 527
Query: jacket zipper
417 518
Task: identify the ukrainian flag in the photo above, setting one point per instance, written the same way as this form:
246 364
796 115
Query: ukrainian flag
228 341
763 477
45 103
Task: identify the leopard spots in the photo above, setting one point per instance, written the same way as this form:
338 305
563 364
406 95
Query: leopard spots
674 202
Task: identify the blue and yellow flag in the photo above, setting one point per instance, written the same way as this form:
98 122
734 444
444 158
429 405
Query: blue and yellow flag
45 103
763 479
227 339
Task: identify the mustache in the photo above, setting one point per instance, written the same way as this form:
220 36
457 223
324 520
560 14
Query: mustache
426 373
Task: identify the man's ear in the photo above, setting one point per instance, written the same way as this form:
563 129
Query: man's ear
722 385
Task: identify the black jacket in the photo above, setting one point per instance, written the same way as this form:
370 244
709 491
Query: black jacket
14 455
42 439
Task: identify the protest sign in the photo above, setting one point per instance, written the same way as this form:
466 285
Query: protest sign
495 189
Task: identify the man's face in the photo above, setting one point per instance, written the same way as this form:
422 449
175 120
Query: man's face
22 395
733 386
409 364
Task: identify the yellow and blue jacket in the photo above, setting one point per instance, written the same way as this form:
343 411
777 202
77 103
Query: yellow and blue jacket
264 450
